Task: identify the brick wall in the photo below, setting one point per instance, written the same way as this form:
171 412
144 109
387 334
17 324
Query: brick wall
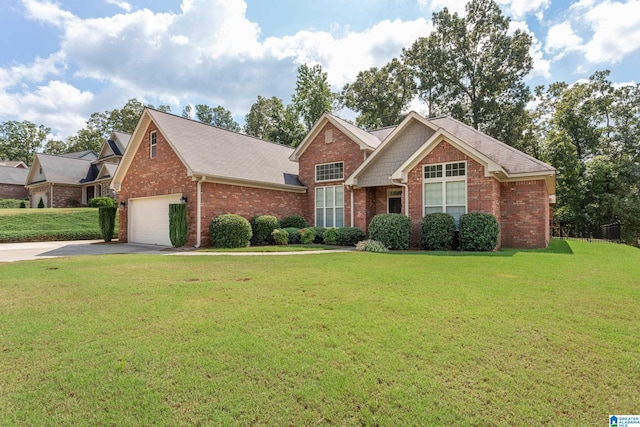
9 191
65 196
525 214
483 193
342 149
163 175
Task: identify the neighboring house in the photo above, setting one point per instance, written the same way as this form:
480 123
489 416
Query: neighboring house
12 179
75 178
340 175
14 164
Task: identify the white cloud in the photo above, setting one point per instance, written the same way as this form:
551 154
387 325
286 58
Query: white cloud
48 12
121 4
616 31
562 38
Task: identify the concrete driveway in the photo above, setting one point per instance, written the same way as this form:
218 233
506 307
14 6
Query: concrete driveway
10 252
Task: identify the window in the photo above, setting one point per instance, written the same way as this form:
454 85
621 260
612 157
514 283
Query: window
445 189
394 201
152 144
330 206
330 171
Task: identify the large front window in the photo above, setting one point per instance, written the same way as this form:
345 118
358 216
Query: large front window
445 189
330 206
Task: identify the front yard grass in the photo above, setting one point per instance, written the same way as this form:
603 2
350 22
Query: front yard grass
27 225
512 338
281 248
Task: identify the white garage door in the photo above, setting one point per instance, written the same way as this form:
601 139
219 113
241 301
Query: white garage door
149 219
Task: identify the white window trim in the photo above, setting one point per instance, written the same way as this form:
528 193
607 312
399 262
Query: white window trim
324 208
327 180
153 143
444 179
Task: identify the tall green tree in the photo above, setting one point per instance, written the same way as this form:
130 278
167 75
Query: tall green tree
473 67
270 120
216 116
313 96
21 140
380 95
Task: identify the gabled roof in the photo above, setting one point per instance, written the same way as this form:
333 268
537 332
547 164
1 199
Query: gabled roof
107 171
12 175
14 164
366 141
216 153
84 155
404 147
115 145
59 169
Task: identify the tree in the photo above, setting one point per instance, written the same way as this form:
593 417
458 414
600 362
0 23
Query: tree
264 117
55 147
473 67
380 95
217 116
313 96
21 140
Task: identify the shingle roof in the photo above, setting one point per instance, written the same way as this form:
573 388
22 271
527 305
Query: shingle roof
86 154
63 170
12 163
216 152
382 133
13 176
368 138
512 160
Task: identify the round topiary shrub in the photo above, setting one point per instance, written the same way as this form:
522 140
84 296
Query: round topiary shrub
295 221
478 232
392 230
262 227
349 236
307 236
230 231
98 202
330 236
280 236
41 203
294 235
437 231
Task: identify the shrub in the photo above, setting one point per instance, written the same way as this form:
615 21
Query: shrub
178 224
307 235
392 230
22 205
330 236
107 220
295 221
11 203
262 227
437 230
97 202
478 232
370 246
349 236
230 231
294 235
319 234
280 236
41 203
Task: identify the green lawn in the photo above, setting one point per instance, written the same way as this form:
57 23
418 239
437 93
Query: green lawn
283 248
508 338
25 225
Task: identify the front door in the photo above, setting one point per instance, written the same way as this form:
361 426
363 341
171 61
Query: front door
395 205
90 193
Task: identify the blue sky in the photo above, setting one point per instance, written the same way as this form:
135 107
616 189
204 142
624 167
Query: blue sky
62 60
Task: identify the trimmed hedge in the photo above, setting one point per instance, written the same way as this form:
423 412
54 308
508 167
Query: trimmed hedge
392 230
98 202
307 235
437 231
349 236
11 203
478 232
230 231
280 236
178 233
48 236
107 221
293 221
319 234
294 235
262 226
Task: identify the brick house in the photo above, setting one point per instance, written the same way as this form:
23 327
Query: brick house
13 175
340 175
73 179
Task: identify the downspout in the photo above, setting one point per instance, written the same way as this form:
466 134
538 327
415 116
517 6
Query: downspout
199 212
352 206
406 195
